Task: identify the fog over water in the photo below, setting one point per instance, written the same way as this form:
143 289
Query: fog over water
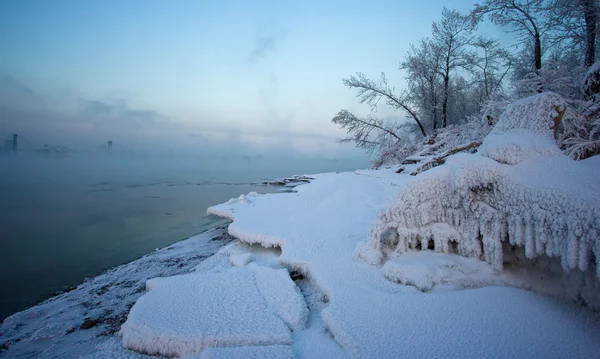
67 217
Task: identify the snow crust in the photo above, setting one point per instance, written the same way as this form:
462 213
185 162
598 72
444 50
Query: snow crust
238 307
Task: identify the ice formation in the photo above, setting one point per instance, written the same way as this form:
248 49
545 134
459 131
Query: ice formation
189 313
519 188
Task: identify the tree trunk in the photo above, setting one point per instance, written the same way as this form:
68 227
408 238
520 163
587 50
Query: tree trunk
590 31
446 84
434 105
537 53
445 103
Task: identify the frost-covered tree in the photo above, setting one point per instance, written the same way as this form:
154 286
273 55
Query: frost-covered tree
452 35
422 66
491 64
371 93
369 133
526 18
576 23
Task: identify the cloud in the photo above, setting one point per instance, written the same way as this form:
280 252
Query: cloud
265 43
119 109
14 93
59 117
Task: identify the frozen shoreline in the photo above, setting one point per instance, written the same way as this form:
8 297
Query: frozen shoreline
290 287
52 328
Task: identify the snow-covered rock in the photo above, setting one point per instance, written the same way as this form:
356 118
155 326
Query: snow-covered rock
519 188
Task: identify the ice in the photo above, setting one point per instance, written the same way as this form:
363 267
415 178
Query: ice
238 307
282 295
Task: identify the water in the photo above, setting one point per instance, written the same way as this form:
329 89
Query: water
66 218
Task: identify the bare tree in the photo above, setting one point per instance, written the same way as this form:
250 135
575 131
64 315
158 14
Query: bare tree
452 35
525 17
371 93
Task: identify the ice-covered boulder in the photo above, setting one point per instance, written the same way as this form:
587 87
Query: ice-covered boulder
525 130
239 307
519 189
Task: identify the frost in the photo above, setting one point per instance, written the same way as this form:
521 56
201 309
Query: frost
591 80
519 188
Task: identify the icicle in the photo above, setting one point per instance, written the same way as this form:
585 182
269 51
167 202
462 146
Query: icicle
496 253
572 251
519 232
401 247
438 247
584 256
512 226
529 239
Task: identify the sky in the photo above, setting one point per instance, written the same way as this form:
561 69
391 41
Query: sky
249 76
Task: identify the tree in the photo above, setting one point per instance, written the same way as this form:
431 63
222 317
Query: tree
452 35
371 93
360 131
576 22
525 17
492 63
422 66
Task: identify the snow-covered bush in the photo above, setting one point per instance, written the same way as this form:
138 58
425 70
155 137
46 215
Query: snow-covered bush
580 135
520 189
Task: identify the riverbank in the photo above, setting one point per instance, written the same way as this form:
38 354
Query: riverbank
290 286
75 322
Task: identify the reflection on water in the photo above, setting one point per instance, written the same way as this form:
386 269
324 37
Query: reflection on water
63 219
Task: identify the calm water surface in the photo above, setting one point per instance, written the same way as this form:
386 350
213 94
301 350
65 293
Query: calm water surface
66 218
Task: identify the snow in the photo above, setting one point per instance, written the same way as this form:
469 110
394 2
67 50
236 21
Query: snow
241 306
591 81
260 352
490 254
519 188
368 311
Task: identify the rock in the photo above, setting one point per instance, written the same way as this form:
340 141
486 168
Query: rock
87 324
296 275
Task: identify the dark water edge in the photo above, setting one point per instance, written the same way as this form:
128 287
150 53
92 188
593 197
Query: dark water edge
67 218
37 271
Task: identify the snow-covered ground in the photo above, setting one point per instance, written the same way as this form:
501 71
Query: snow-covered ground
291 286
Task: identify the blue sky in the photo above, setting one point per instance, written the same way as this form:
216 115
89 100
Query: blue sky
262 74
